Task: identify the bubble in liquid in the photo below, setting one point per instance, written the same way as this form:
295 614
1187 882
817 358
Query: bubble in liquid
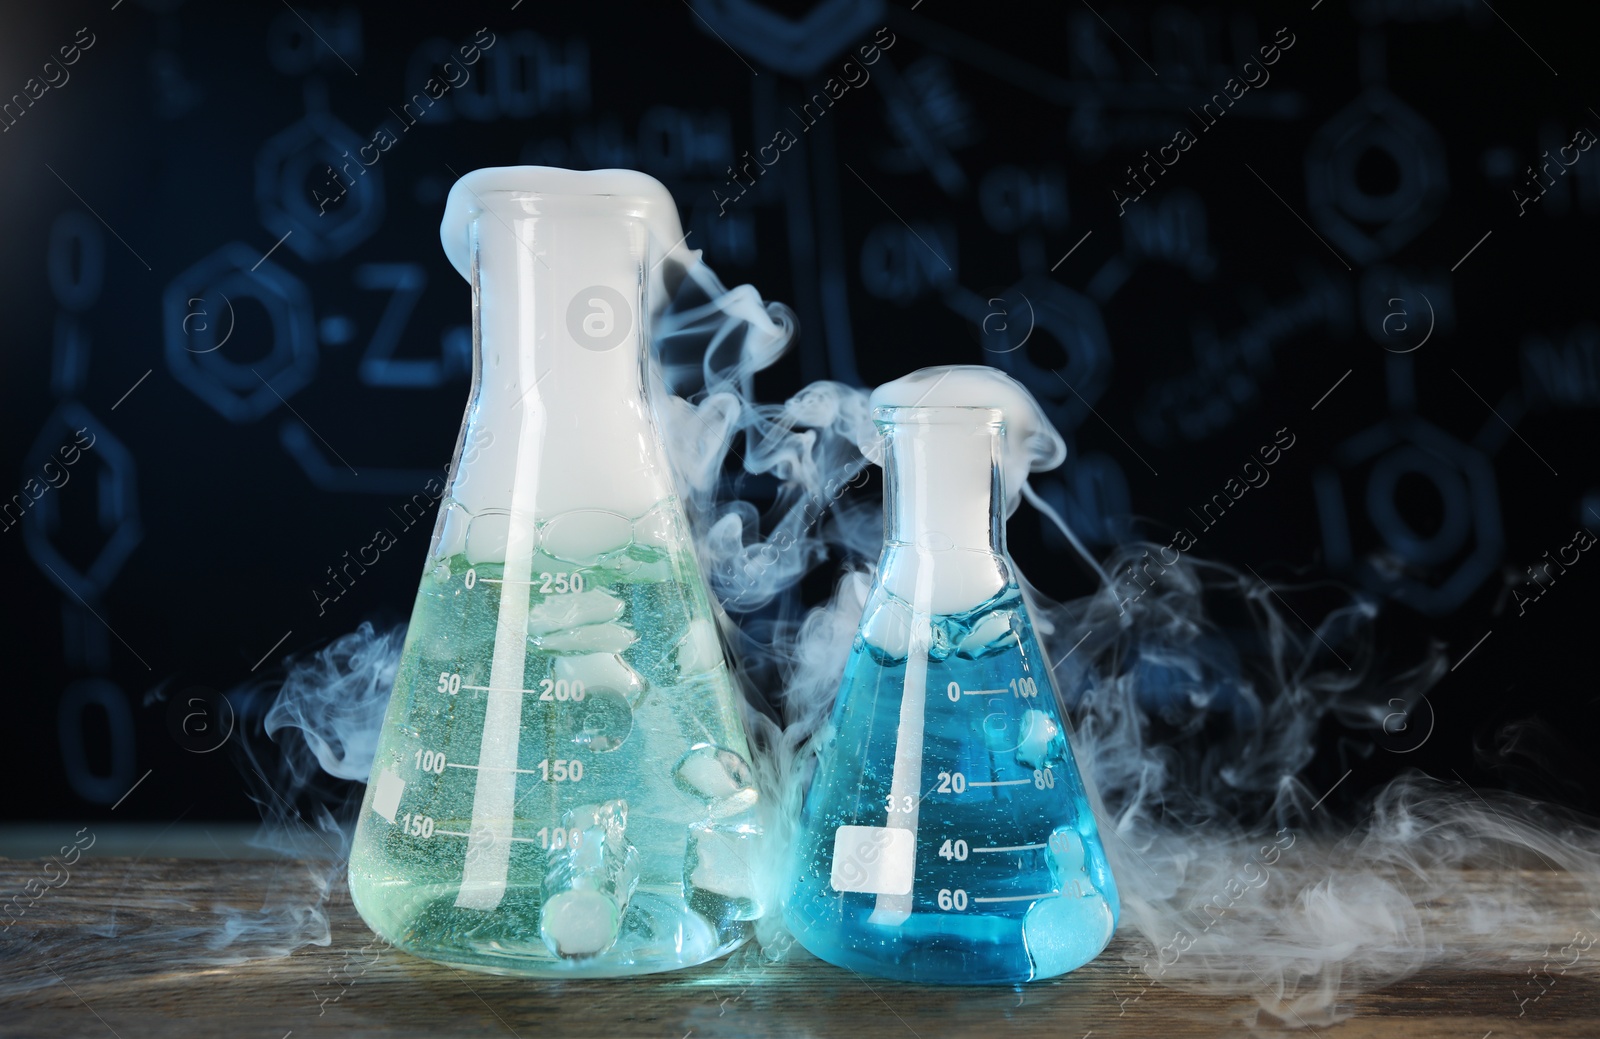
600 688
999 735
601 722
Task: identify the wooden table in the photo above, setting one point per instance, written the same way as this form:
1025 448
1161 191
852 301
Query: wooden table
118 951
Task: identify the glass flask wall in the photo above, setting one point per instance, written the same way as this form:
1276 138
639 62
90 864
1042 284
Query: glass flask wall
946 836
562 783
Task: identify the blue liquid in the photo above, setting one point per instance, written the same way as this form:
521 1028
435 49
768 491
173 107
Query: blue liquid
1044 905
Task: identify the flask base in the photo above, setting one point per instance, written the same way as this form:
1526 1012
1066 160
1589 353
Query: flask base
658 932
1058 936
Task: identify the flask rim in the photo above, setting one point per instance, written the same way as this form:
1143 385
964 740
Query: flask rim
637 195
976 416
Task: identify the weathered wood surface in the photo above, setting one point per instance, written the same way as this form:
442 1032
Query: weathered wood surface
118 950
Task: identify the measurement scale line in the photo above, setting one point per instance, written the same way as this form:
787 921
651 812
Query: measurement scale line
459 833
497 689
983 692
1002 782
492 768
1014 847
1018 898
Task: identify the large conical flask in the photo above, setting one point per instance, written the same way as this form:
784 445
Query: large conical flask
562 785
946 836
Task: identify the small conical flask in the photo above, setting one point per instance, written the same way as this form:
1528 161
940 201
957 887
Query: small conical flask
562 784
946 836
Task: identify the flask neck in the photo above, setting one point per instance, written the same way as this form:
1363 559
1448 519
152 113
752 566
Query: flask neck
558 285
560 326
943 479
944 552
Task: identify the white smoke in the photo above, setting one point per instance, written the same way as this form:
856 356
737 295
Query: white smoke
1236 878
1197 707
710 345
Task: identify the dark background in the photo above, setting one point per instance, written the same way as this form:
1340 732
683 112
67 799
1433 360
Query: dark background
1310 234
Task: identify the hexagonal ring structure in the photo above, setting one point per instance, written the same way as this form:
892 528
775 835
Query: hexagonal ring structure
239 392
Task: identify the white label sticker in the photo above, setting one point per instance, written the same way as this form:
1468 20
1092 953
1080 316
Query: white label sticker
879 860
386 798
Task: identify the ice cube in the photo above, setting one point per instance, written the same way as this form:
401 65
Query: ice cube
594 638
713 773
1066 853
993 628
737 803
588 883
573 610
887 627
720 872
1065 932
1039 734
600 672
699 650
579 923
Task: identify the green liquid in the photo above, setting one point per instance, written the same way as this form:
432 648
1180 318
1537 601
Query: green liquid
656 737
